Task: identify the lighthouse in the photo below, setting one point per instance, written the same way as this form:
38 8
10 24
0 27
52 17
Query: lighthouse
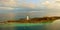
27 17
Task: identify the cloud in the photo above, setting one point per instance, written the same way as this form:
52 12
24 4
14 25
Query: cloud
14 3
37 11
31 5
52 4
48 4
8 3
6 8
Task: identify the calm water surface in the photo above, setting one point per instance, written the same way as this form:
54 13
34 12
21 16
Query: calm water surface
23 27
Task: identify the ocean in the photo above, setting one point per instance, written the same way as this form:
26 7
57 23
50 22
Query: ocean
23 26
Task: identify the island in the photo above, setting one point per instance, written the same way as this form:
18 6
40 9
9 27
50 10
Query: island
34 20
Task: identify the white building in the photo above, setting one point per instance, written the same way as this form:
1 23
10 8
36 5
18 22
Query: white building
27 18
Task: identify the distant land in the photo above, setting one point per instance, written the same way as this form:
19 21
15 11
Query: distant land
33 20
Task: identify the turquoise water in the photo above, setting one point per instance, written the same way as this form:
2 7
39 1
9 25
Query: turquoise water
24 26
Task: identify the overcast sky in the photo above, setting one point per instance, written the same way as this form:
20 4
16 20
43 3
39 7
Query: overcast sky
35 7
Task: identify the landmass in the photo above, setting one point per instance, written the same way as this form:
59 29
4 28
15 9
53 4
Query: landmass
34 20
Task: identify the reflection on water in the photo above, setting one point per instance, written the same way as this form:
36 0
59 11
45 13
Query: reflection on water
30 27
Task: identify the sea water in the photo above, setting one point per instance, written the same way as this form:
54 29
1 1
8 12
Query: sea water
23 26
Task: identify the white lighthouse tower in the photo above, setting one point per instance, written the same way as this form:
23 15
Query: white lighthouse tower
27 18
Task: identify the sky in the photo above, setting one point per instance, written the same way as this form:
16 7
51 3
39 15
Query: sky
33 7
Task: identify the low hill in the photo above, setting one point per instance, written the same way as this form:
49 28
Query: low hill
34 20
